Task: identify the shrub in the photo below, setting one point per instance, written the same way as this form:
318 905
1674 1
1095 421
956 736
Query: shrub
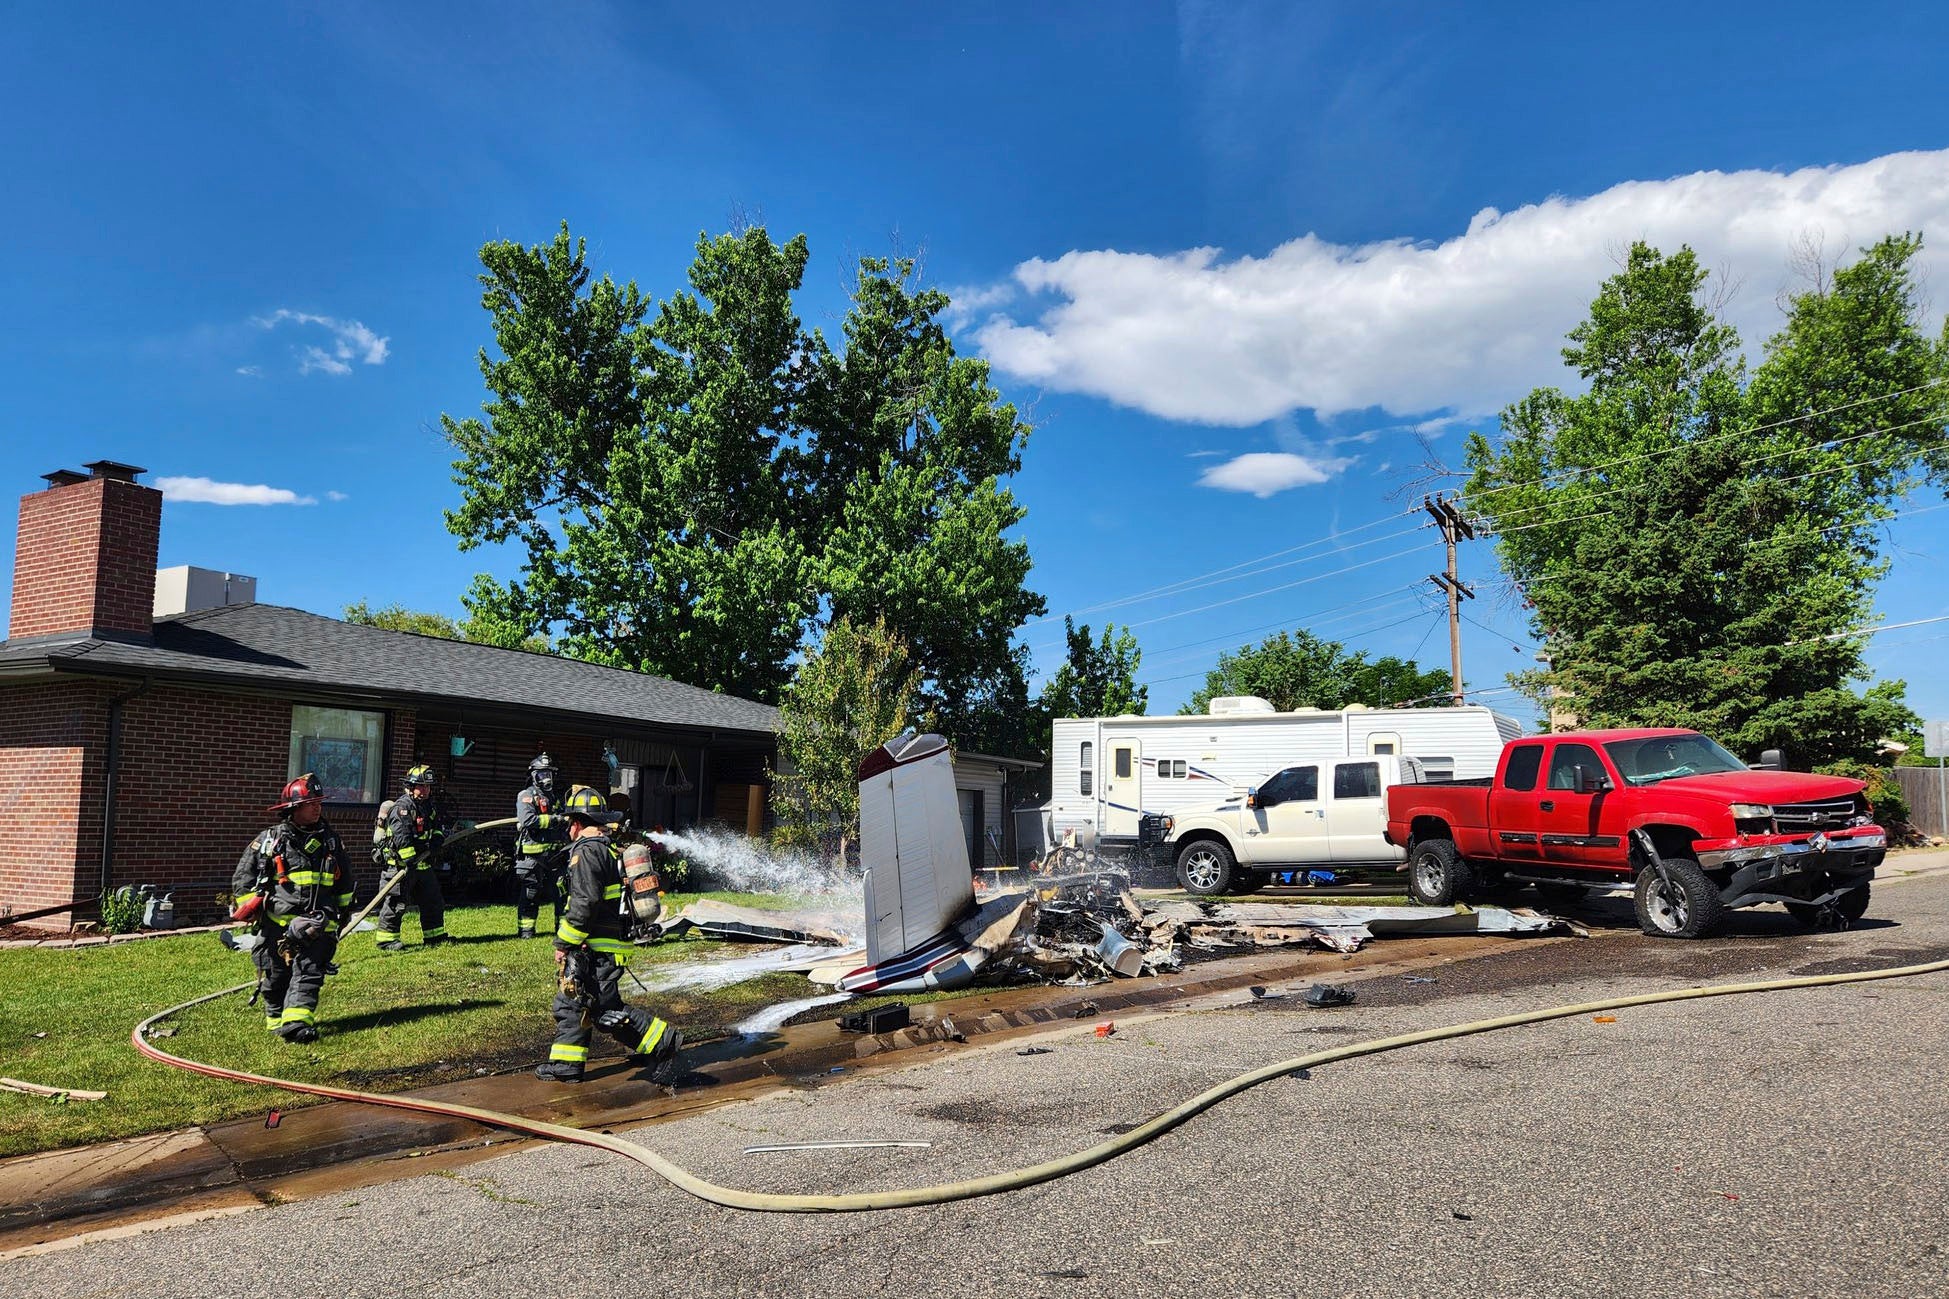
122 910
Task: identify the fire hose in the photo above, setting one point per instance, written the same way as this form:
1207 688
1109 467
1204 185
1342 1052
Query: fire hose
994 1183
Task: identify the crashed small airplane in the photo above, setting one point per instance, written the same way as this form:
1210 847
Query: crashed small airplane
923 930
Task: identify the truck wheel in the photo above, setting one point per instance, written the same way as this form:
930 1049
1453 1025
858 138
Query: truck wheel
1205 866
1437 875
1850 906
1690 907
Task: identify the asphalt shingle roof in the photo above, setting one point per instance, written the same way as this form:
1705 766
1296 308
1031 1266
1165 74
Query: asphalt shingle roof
269 645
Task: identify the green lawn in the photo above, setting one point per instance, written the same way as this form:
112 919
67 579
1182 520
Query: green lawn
388 1022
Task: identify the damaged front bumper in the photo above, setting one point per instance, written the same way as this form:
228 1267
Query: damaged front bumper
1761 866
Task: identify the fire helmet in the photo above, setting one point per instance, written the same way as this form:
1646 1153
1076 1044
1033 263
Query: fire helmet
586 804
302 789
542 773
419 775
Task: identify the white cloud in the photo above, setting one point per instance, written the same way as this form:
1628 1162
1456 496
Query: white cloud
1267 473
1463 326
351 341
251 371
210 492
337 496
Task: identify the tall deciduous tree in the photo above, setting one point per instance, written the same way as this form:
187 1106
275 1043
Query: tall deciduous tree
397 617
851 695
906 448
1698 549
699 492
1300 670
1098 678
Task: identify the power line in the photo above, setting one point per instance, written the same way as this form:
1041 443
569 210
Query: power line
1219 574
1580 471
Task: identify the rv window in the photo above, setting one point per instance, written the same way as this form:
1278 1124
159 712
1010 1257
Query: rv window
1435 770
1084 783
1123 764
1177 768
1525 760
1383 747
1357 780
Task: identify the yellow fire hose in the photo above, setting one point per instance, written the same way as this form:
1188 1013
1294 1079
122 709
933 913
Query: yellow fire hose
994 1183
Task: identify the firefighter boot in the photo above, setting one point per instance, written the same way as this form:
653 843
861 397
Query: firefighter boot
297 1031
559 1071
526 931
390 943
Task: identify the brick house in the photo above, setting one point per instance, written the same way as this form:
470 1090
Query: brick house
141 739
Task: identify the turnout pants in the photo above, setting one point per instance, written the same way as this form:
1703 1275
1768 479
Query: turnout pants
539 878
598 1003
290 974
421 888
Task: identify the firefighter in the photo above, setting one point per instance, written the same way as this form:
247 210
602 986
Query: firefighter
540 846
592 948
410 845
293 881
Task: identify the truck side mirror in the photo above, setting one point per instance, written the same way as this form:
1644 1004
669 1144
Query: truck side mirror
1591 782
1251 795
1772 760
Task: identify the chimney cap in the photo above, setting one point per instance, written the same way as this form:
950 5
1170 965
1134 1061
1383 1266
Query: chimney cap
113 469
64 478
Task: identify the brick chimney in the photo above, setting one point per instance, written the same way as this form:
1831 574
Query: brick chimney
85 556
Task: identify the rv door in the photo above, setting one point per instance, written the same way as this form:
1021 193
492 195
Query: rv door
1123 789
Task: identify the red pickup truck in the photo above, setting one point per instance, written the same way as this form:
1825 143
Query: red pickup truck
1668 811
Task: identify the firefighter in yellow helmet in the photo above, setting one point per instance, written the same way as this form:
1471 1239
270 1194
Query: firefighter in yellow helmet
592 948
409 843
293 882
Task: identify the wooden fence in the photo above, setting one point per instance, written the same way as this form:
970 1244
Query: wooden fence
1923 787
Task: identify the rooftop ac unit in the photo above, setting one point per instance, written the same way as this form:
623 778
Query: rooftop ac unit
1236 705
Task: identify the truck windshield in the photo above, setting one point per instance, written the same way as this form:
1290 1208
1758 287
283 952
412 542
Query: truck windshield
1662 757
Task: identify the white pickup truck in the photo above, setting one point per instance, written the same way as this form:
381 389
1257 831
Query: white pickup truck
1326 814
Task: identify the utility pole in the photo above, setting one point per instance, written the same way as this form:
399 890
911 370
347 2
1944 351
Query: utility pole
1453 525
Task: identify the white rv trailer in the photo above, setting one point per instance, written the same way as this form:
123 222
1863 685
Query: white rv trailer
1106 772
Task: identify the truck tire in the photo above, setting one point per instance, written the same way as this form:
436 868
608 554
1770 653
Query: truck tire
1205 867
1437 873
1690 908
1851 906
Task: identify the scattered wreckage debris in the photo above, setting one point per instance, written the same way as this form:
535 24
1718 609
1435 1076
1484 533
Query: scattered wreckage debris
1327 994
880 1019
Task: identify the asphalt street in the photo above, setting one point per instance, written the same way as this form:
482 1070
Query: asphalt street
1777 1144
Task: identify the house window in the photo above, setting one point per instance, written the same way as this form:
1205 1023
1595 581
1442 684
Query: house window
343 747
1086 773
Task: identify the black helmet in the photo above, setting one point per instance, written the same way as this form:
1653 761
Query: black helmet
541 773
586 804
420 774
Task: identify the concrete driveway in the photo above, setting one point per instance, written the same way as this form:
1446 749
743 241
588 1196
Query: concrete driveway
1781 1144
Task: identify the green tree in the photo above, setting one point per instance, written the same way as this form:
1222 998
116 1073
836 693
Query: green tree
397 617
635 462
698 493
1300 670
901 497
1097 678
855 692
1698 548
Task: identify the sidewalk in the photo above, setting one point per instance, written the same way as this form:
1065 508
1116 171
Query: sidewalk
239 1165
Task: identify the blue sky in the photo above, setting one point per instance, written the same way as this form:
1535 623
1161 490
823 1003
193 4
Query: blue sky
1228 257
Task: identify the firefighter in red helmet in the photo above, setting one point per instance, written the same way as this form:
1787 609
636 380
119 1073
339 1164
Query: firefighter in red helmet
293 882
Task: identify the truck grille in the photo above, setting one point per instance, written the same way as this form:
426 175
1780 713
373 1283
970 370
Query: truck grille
1805 818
